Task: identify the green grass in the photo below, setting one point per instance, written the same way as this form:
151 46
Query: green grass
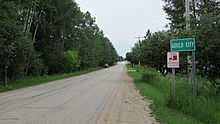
26 82
162 113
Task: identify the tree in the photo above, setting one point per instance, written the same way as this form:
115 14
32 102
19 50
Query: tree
47 37
68 62
175 10
151 51
208 34
15 45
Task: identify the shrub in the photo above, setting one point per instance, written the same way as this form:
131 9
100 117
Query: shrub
148 75
37 67
68 62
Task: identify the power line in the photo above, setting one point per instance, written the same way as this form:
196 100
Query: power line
139 38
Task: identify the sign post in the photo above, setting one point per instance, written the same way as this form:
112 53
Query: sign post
173 62
178 45
194 73
173 84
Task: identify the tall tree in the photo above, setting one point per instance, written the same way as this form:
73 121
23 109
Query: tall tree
15 45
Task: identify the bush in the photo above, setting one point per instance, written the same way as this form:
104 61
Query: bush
148 77
68 62
37 67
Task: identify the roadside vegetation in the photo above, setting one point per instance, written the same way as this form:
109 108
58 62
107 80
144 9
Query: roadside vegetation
31 81
205 28
185 109
151 53
51 37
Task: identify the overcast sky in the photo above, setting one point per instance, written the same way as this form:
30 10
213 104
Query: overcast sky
123 20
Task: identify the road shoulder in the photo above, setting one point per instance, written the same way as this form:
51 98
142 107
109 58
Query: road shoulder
126 105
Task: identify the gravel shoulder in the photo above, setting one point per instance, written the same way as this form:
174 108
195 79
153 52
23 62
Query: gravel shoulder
126 105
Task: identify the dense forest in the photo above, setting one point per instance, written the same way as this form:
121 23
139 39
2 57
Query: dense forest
44 37
204 27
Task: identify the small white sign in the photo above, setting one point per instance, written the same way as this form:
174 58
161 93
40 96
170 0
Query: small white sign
173 60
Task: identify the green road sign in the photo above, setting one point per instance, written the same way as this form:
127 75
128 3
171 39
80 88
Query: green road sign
178 45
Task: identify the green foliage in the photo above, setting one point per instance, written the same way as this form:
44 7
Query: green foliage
158 95
40 37
152 51
32 81
204 107
205 16
175 10
68 62
36 67
120 58
148 76
15 45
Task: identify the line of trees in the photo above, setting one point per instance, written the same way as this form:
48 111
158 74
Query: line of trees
40 37
205 28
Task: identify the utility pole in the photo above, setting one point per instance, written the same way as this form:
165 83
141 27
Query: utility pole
187 14
192 72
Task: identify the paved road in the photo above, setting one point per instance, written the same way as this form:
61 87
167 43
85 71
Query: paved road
77 100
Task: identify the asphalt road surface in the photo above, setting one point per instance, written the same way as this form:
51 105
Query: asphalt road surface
77 100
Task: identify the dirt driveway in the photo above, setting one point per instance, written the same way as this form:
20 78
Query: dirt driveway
126 105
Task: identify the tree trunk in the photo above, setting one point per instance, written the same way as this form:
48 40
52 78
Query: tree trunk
30 20
33 39
25 22
6 75
194 8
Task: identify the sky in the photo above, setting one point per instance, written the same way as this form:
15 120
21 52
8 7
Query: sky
124 20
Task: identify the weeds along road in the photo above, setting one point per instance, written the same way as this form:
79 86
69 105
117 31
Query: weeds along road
76 100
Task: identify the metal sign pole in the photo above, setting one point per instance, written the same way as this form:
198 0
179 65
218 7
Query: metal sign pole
173 83
173 62
194 73
189 69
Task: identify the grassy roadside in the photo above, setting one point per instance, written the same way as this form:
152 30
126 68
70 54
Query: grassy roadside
22 83
160 110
